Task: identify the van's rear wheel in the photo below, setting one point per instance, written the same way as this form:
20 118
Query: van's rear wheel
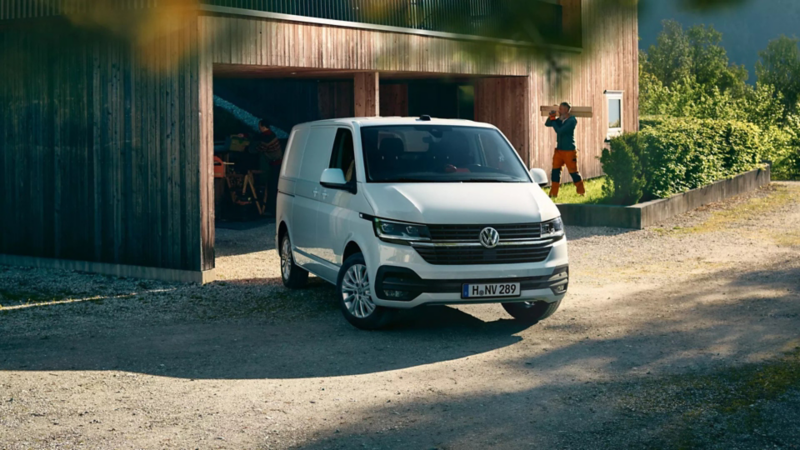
531 312
293 276
355 296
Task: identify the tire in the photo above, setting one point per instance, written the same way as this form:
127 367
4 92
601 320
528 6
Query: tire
292 275
531 312
354 291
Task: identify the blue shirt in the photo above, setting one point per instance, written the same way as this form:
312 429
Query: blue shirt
565 132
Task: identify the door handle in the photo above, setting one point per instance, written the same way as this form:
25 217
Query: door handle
316 192
324 194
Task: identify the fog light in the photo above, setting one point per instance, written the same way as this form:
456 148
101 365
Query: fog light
560 289
394 295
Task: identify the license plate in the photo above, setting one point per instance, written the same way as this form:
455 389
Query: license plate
490 290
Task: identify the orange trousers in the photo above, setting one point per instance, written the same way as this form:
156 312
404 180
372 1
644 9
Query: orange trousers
570 159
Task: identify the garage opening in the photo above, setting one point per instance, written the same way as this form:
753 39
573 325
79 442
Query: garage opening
247 161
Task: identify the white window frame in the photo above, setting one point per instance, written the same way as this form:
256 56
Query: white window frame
615 95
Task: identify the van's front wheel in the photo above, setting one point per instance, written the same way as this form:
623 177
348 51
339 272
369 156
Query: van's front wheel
292 275
531 312
355 296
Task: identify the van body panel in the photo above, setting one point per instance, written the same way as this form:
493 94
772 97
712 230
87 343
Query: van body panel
340 214
458 203
308 195
323 220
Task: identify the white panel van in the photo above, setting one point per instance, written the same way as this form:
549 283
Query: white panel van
405 212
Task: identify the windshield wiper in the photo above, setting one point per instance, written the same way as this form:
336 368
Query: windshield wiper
488 180
412 180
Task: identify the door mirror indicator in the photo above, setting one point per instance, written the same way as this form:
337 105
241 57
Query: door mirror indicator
539 177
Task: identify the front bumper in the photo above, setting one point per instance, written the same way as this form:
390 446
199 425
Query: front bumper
401 269
417 291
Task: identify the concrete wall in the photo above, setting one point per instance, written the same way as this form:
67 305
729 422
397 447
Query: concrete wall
651 213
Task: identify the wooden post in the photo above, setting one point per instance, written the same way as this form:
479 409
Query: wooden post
367 94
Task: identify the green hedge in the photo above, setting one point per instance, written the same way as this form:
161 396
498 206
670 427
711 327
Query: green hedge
652 121
783 149
677 155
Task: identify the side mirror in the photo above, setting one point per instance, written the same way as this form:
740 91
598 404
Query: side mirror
333 178
539 177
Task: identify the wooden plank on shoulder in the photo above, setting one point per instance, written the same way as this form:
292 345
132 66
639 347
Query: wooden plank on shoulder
577 111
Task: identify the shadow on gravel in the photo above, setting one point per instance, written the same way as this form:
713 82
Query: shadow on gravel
318 344
681 381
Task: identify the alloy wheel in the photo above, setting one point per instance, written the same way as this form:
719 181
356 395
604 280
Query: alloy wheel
286 258
356 292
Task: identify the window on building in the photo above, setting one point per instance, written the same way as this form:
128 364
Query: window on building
343 156
615 113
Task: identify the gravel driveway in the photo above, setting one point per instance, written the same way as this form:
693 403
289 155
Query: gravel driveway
681 336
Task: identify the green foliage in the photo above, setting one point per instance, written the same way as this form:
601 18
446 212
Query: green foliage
684 154
710 64
783 149
677 155
625 184
687 75
669 60
694 54
690 99
651 121
780 67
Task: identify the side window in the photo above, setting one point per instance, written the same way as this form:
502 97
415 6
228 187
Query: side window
343 155
614 99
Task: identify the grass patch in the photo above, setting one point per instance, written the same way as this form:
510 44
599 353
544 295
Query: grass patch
594 192
790 239
780 196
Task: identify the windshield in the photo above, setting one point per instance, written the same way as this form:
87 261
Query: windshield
439 154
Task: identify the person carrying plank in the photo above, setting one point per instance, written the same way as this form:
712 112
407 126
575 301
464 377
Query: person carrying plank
566 150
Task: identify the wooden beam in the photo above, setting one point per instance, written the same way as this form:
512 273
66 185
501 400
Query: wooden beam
577 111
366 93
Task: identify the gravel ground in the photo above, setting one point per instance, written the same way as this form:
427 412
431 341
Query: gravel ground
681 336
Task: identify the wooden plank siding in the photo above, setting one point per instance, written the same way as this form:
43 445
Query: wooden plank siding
107 148
33 9
302 45
503 102
101 153
335 99
394 99
609 61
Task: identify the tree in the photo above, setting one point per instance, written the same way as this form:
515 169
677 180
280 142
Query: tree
670 59
709 60
780 67
695 54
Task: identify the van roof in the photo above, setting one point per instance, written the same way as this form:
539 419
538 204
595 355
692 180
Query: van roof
376 121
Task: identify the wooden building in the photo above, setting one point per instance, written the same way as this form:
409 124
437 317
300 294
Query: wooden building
106 141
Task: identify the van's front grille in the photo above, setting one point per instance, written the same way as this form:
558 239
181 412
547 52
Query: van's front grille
471 233
464 255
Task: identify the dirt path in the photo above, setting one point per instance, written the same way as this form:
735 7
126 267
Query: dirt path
686 335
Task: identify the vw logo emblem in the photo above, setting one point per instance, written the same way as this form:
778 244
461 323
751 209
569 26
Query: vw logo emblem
489 237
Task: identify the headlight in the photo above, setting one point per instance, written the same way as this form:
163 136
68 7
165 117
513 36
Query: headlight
553 228
400 232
